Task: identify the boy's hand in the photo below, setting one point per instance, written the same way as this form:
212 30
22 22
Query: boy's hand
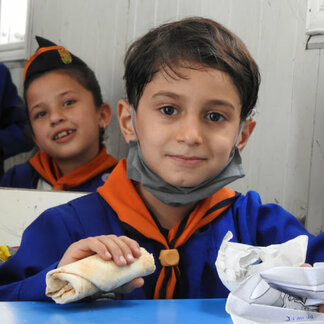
130 286
122 250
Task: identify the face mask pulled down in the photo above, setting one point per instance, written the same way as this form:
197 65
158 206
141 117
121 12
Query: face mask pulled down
139 171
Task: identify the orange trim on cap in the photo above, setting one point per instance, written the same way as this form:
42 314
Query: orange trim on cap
40 51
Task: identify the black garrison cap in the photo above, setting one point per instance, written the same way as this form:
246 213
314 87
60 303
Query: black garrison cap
49 56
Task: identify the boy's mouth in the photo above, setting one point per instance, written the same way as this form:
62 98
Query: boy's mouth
187 160
63 134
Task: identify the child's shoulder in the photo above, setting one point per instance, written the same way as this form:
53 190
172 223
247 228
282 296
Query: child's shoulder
20 176
259 223
252 201
4 71
252 209
250 196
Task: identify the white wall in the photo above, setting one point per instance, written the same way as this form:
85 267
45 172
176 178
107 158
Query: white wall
284 159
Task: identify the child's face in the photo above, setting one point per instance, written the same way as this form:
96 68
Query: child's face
187 127
64 118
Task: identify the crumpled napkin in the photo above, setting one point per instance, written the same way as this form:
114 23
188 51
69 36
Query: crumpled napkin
236 261
268 285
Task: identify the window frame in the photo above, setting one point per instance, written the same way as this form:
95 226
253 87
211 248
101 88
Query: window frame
19 50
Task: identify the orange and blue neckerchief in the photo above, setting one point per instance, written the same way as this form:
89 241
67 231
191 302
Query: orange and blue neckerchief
48 169
131 209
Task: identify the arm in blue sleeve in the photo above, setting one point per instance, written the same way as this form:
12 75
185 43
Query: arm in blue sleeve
43 244
31 288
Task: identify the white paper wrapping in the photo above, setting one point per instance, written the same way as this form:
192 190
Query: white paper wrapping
256 301
268 285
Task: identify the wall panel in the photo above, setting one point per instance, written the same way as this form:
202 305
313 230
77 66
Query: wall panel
284 158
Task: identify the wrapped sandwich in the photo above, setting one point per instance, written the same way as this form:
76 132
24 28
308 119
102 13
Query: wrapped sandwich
93 275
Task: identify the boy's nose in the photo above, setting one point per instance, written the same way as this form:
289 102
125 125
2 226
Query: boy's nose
190 132
56 116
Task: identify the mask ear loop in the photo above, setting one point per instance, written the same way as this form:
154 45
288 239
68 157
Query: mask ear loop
133 118
251 114
239 134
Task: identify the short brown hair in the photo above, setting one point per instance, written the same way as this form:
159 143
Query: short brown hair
194 40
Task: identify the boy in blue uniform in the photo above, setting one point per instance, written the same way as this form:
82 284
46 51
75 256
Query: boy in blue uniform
68 117
191 86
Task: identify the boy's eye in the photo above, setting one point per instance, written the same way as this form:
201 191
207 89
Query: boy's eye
40 114
214 116
68 102
169 110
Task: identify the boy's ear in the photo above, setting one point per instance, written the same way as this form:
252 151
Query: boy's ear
105 115
125 120
35 140
246 133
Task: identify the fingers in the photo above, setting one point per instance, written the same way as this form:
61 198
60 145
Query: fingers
133 246
122 250
130 286
84 248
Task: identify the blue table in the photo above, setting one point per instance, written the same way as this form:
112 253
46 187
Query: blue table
201 311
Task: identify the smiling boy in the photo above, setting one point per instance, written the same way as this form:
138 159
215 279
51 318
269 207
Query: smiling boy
68 117
187 128
65 120
191 87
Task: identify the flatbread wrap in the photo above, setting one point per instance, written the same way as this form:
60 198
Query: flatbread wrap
92 275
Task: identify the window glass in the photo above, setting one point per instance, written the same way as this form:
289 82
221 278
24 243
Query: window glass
13 21
13 29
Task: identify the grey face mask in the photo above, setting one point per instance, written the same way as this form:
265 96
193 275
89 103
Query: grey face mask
139 171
